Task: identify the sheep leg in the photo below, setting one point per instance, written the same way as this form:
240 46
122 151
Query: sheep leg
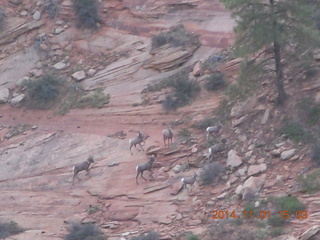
143 176
164 141
88 172
130 149
141 147
137 178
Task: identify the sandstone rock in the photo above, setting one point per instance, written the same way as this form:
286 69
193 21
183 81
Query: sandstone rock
222 195
243 171
275 153
23 13
58 31
91 72
286 237
22 81
197 69
254 169
60 65
36 16
16 2
16 100
127 215
233 159
244 108
238 121
287 154
239 190
78 76
252 186
196 162
176 188
310 232
111 225
265 116
177 169
36 72
4 94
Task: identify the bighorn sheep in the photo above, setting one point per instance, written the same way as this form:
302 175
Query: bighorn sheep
167 134
213 129
80 167
145 166
137 140
218 147
189 180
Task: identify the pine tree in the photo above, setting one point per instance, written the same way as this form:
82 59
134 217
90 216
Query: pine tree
284 27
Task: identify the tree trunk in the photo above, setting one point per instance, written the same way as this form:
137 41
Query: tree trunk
282 96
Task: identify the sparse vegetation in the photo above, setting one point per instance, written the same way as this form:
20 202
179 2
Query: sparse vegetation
223 231
203 124
42 93
78 231
310 183
95 99
93 209
9 228
87 13
77 98
1 19
309 111
315 154
215 81
176 36
294 131
52 8
291 204
184 91
147 236
245 84
209 172
184 133
17 129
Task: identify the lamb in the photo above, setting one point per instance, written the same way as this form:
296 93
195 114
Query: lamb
145 166
167 134
189 180
82 166
213 129
137 140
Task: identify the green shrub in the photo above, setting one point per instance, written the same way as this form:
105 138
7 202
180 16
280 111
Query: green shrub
315 154
86 12
78 231
309 111
203 124
209 172
184 91
147 236
276 231
1 18
43 92
9 228
176 36
275 220
290 204
192 237
52 8
295 131
94 99
310 183
215 81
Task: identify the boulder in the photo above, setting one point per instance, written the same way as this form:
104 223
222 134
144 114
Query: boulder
310 233
233 159
4 94
78 76
16 2
287 154
36 16
60 65
16 100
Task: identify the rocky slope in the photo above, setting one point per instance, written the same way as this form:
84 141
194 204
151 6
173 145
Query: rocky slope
35 173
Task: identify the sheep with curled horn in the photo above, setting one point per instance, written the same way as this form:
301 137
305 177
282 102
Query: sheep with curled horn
167 135
213 129
141 138
83 166
145 166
